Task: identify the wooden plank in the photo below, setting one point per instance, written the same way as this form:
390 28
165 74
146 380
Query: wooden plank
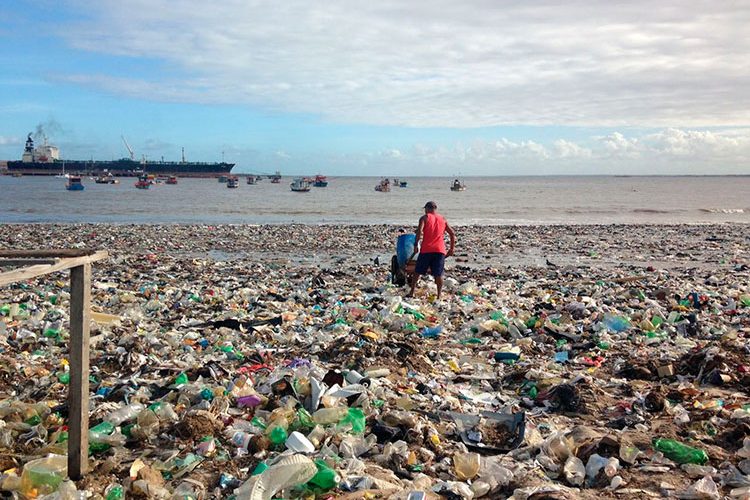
51 253
34 271
25 262
78 392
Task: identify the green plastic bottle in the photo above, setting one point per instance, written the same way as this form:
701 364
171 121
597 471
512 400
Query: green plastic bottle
98 432
680 453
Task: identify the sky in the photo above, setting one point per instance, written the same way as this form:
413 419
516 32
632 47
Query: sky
350 87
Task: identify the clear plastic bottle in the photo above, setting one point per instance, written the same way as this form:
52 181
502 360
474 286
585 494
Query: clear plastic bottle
124 414
326 416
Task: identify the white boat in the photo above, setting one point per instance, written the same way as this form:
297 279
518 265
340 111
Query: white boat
458 186
300 185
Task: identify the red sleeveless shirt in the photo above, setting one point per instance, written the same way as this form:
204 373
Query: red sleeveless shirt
432 234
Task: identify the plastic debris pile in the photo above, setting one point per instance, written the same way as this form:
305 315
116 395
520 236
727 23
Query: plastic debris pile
262 361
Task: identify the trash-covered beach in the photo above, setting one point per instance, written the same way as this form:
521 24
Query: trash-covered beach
279 361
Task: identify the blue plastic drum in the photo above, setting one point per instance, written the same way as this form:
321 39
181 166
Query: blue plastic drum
405 247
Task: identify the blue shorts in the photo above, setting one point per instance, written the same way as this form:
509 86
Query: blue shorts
434 261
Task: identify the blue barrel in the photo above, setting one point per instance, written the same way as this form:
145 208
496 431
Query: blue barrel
405 247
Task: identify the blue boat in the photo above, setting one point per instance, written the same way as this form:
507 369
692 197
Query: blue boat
74 183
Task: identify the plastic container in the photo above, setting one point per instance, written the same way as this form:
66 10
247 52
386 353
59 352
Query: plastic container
405 247
43 476
466 465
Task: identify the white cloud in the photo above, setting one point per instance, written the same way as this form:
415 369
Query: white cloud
567 149
665 151
617 145
437 63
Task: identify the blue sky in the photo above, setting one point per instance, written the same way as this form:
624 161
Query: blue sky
440 87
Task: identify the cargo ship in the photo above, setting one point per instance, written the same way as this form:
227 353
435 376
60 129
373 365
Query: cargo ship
45 160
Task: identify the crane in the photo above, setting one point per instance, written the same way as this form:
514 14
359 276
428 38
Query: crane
130 150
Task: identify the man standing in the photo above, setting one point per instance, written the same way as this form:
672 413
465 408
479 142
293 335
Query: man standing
431 230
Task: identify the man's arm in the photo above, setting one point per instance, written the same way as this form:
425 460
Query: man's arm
420 228
449 230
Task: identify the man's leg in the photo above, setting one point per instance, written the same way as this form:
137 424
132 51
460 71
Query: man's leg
438 267
414 280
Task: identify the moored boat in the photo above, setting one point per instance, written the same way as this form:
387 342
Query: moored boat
223 179
458 185
384 186
320 181
275 178
300 185
143 182
172 179
251 179
107 179
233 182
74 183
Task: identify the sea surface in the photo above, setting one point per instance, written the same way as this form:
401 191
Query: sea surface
353 200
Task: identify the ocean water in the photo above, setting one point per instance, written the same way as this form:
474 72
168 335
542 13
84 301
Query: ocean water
353 200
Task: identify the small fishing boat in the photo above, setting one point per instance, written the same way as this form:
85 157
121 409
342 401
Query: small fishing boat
233 182
223 179
172 179
107 179
403 184
458 185
384 186
251 179
74 183
300 185
275 178
143 182
320 181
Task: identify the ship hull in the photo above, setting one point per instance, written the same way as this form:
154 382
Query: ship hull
122 167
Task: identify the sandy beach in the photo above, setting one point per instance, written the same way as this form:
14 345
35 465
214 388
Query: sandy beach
314 302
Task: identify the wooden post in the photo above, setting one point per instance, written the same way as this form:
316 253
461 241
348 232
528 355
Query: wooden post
78 393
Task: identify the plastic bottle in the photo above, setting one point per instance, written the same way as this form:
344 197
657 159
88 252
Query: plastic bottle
124 414
680 453
287 472
466 465
326 416
99 437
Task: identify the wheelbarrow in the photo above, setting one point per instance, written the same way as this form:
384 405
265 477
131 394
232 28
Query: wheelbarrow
402 266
